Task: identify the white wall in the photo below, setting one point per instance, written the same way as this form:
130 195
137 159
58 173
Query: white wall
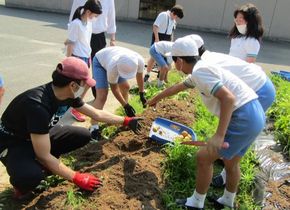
212 15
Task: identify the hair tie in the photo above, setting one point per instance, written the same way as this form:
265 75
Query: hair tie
82 11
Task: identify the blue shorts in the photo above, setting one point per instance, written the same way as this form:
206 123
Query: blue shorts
160 59
86 60
266 94
246 124
100 75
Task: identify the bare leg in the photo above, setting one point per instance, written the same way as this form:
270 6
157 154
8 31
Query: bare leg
233 172
124 88
101 98
204 170
163 72
150 64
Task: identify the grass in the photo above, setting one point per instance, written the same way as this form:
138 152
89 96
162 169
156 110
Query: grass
280 113
74 199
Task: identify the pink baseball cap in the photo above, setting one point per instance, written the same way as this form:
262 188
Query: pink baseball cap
75 68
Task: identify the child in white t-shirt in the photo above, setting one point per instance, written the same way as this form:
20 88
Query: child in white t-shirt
79 38
159 53
163 28
241 119
253 75
247 33
114 66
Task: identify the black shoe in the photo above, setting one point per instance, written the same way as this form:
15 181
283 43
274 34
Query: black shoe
96 135
182 202
146 77
216 204
217 181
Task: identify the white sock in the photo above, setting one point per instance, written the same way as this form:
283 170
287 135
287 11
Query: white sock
224 175
227 199
196 200
94 127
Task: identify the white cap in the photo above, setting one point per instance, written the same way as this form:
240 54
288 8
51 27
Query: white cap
127 66
198 40
184 47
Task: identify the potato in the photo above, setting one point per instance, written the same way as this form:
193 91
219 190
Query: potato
160 132
179 138
184 133
155 129
187 138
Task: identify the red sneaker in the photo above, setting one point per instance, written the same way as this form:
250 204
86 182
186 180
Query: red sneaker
78 116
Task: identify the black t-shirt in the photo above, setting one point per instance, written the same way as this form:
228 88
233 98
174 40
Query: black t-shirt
34 111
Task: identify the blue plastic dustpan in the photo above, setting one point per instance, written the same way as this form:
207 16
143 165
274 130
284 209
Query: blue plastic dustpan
165 131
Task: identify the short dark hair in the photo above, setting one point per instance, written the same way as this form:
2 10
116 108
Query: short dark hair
254 22
60 80
201 50
177 10
187 59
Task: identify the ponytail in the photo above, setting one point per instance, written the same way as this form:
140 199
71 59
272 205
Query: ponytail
78 13
93 5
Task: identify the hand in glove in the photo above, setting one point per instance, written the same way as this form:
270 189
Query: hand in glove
87 181
143 99
133 123
129 110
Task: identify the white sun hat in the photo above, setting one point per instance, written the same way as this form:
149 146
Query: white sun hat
184 47
198 40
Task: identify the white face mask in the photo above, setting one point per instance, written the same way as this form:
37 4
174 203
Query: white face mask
79 92
242 29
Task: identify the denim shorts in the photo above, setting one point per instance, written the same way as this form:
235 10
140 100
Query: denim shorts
246 124
100 75
86 60
266 94
160 59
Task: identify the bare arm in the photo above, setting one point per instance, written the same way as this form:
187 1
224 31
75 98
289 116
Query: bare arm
117 93
41 146
155 32
166 93
227 100
69 48
113 40
100 115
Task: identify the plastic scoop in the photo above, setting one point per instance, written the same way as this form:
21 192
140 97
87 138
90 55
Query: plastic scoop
203 143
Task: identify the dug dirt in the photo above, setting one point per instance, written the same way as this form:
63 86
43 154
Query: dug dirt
129 165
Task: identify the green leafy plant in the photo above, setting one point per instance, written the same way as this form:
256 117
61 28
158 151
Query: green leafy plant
179 173
50 181
74 199
280 113
109 131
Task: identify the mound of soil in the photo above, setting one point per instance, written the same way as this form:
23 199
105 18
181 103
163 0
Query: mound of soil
129 165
